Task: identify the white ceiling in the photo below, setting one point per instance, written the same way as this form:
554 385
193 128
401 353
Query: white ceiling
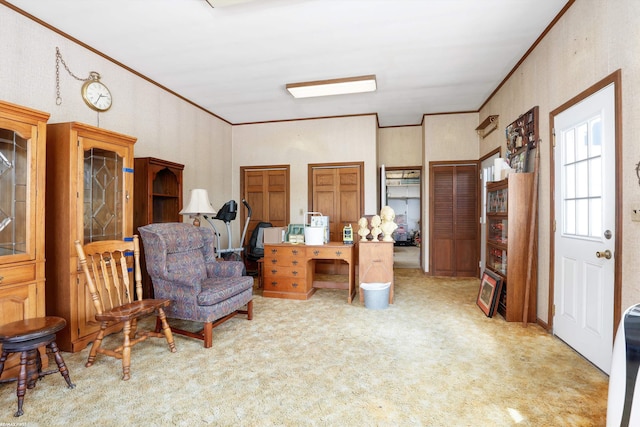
429 56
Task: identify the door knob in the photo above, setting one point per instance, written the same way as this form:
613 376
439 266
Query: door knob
606 254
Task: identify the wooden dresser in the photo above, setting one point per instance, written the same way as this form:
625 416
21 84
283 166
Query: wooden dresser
286 272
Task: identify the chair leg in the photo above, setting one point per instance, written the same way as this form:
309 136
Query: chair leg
22 383
166 329
250 310
207 331
62 368
96 345
126 351
134 329
3 359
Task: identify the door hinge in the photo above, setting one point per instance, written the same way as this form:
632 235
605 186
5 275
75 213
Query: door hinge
553 135
554 225
553 310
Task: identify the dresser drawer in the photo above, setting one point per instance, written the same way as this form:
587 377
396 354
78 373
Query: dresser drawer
276 270
285 284
23 273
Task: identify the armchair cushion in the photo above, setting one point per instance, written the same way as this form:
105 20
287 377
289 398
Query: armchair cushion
217 290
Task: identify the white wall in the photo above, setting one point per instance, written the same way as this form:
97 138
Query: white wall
592 40
400 146
298 143
166 126
447 137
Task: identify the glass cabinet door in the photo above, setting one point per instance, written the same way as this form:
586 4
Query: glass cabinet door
14 193
104 193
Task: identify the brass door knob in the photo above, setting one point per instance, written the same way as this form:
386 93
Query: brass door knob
606 254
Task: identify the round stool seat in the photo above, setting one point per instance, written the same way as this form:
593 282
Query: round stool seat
22 331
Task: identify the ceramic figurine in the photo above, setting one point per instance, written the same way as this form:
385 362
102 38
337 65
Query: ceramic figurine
388 225
375 227
363 231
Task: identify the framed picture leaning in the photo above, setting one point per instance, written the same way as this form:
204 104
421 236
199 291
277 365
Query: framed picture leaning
489 292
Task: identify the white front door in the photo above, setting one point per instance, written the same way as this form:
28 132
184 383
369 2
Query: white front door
585 226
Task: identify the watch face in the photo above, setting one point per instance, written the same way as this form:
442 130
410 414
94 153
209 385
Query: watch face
96 95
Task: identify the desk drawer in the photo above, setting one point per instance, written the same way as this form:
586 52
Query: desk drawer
330 253
285 284
24 273
271 271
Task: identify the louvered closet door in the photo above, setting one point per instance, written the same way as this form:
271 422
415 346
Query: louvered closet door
454 220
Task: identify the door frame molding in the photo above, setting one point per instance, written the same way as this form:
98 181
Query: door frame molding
616 79
421 169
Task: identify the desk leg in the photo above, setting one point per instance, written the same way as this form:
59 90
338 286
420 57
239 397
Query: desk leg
352 280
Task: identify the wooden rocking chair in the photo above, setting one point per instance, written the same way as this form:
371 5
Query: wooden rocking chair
107 274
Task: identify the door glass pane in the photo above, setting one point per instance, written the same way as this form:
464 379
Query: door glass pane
14 173
582 175
103 186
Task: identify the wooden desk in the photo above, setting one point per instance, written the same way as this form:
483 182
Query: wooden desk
289 269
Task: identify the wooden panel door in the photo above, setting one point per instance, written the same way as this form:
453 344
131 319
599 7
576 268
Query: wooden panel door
455 220
266 190
337 193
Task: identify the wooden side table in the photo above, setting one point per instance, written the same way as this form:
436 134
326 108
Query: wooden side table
375 264
24 337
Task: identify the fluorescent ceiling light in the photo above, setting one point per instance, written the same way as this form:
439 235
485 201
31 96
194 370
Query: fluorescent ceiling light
333 87
224 3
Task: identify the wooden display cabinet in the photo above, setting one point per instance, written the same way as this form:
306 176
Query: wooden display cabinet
22 192
89 198
157 198
508 221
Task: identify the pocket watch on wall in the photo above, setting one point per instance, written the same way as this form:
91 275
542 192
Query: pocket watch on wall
95 94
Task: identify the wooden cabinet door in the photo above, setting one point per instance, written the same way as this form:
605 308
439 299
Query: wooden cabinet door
266 190
455 220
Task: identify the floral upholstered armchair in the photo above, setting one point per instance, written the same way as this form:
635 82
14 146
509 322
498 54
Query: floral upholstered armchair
181 261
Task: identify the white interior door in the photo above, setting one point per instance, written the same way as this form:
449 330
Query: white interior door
585 226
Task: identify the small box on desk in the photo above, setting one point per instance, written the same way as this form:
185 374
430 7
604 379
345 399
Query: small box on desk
274 234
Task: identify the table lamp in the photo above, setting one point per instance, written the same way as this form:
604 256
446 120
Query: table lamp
199 204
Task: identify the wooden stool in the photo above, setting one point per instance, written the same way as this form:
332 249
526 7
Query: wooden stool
24 337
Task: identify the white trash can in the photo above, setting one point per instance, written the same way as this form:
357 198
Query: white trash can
376 295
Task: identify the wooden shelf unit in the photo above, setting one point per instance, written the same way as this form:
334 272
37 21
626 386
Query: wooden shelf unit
157 196
508 220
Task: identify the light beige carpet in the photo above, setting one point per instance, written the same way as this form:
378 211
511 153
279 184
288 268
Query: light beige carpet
431 359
